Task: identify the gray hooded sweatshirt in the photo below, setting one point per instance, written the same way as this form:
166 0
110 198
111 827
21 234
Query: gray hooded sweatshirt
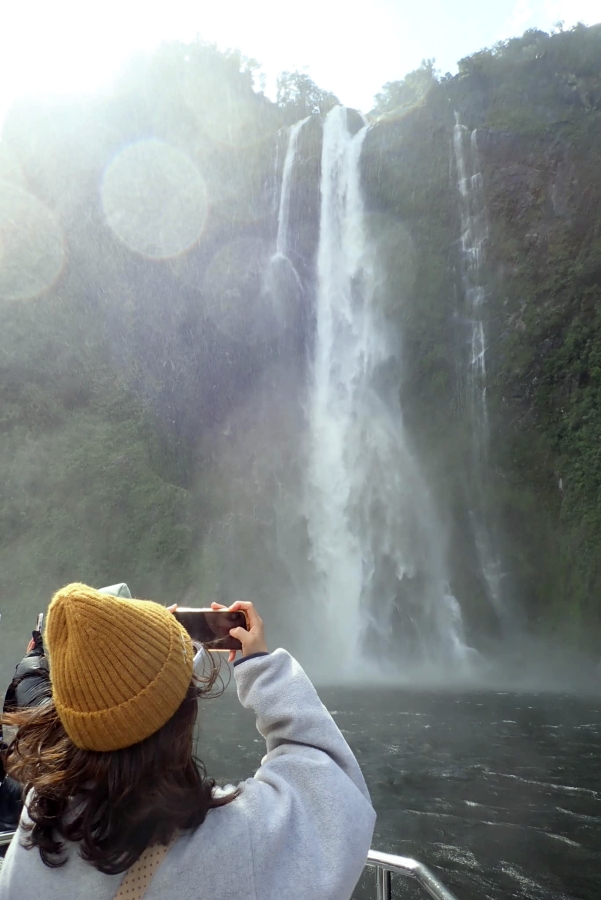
299 830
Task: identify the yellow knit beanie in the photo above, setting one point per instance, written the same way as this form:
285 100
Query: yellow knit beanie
119 668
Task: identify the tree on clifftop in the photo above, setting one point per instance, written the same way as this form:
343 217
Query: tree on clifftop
409 90
298 96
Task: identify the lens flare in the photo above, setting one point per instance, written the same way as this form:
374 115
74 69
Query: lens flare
235 294
32 249
154 199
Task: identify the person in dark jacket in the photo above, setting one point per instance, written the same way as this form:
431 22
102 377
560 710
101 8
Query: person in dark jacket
30 686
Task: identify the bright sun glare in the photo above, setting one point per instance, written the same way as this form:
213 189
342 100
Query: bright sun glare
67 46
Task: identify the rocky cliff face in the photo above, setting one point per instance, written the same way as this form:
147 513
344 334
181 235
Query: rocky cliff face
536 109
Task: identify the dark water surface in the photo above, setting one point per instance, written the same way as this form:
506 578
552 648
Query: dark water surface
500 793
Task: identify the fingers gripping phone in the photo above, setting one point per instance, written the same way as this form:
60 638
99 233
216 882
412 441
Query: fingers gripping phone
211 627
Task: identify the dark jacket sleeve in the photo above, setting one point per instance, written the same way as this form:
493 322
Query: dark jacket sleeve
31 682
30 686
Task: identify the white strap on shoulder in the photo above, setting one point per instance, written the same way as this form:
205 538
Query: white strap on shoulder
138 877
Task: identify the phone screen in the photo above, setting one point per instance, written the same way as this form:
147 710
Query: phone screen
211 627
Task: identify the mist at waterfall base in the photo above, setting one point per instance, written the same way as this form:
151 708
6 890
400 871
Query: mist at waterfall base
328 515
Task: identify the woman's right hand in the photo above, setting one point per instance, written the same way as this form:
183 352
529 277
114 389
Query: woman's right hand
253 640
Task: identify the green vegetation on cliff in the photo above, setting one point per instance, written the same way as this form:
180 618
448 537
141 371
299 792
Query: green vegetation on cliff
115 365
536 104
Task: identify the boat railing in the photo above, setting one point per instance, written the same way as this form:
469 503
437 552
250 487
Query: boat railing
385 865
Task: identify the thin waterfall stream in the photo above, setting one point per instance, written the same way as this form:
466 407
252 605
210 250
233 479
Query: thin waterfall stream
284 207
283 280
474 235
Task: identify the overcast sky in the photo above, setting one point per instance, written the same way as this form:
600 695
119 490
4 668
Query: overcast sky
347 47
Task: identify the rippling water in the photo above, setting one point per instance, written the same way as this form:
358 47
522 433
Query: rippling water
500 793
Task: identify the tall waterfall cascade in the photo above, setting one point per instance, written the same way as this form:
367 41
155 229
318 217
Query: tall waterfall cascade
377 548
474 235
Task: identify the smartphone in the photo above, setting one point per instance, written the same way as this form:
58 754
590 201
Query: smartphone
211 627
40 623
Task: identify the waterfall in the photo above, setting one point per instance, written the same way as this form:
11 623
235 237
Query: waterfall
376 545
283 282
281 249
474 235
273 180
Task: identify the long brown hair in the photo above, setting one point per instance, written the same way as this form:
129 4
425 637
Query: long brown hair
117 803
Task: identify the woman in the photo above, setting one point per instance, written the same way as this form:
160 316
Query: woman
110 775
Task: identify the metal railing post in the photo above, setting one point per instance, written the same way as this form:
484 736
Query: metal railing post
386 863
383 884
